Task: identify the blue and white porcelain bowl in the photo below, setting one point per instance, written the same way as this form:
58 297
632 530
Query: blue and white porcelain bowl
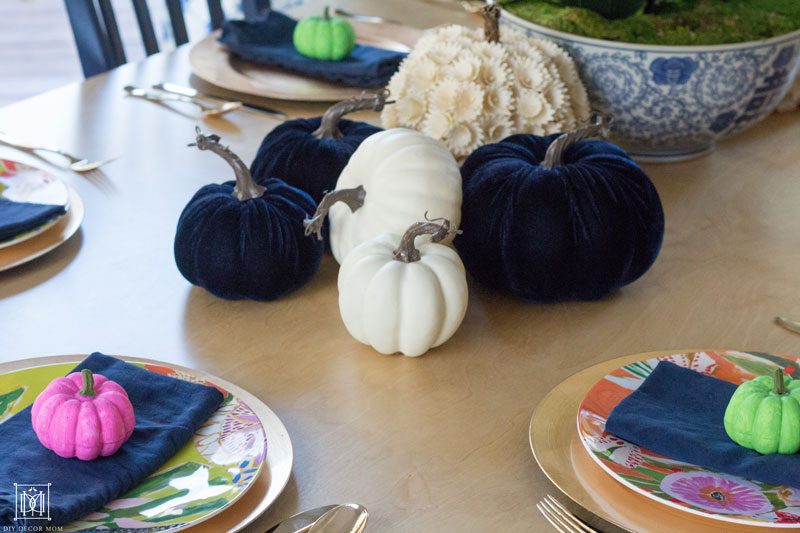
673 102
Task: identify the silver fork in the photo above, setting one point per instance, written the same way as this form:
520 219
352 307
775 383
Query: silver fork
206 109
76 164
561 518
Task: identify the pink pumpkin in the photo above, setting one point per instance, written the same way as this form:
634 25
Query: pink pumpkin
83 416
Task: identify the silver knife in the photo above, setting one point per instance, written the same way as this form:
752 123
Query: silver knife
791 325
301 522
194 93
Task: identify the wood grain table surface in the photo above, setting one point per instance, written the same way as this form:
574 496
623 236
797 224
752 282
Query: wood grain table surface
437 443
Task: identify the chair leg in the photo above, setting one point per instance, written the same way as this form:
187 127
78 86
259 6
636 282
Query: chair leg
90 38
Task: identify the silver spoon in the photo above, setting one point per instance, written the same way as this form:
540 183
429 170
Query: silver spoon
207 110
300 522
345 518
786 323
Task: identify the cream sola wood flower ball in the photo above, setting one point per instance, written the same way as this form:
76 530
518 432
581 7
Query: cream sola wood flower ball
470 87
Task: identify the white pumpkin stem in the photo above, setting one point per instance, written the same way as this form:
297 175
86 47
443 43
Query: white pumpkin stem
598 127
329 125
246 188
779 387
353 198
88 383
491 23
407 252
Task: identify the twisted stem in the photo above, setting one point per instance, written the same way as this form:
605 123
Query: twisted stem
407 252
353 198
329 126
246 187
597 127
491 23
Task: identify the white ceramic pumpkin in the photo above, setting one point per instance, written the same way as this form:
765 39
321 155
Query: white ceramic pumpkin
392 180
398 298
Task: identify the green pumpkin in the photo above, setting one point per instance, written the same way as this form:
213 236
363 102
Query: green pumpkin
764 414
327 38
610 9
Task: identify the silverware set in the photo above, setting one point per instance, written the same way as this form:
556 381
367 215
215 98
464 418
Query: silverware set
561 518
76 163
344 518
209 106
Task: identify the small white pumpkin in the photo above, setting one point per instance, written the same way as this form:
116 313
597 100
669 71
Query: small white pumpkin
391 181
398 298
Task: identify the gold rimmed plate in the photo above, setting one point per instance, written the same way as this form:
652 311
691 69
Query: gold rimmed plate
213 63
560 453
45 241
243 447
20 182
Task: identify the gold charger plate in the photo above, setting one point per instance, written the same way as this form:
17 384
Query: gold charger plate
558 451
58 234
211 62
274 474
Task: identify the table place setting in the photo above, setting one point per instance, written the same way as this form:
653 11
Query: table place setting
404 240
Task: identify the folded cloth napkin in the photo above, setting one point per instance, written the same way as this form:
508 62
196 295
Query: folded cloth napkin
269 42
168 411
17 218
678 413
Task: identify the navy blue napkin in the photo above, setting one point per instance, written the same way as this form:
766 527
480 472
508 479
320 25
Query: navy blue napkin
269 42
678 413
17 218
168 411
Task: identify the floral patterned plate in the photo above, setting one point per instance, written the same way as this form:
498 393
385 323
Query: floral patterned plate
685 486
23 183
205 477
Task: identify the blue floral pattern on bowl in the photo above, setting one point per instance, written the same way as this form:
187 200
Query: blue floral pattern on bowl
672 103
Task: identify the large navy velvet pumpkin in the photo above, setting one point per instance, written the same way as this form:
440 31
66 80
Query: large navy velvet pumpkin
242 240
310 153
576 227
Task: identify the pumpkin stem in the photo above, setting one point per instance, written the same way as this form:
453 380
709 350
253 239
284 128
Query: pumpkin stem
491 23
406 251
329 125
326 13
597 127
353 198
88 383
779 387
246 188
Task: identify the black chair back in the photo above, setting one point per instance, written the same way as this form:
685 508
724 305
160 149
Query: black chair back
97 35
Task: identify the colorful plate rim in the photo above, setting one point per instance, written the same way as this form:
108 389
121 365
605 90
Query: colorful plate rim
64 228
713 355
280 455
210 61
22 237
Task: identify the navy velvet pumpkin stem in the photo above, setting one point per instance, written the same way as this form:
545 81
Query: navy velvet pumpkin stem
329 126
246 188
598 127
353 198
407 252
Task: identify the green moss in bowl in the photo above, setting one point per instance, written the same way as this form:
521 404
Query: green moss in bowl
670 22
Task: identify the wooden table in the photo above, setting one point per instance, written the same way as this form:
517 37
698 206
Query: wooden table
432 443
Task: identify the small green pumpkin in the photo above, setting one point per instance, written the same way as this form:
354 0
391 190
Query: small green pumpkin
327 38
764 414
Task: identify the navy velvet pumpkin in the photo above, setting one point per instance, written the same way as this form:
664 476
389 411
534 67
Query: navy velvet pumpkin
310 153
250 246
292 153
576 231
